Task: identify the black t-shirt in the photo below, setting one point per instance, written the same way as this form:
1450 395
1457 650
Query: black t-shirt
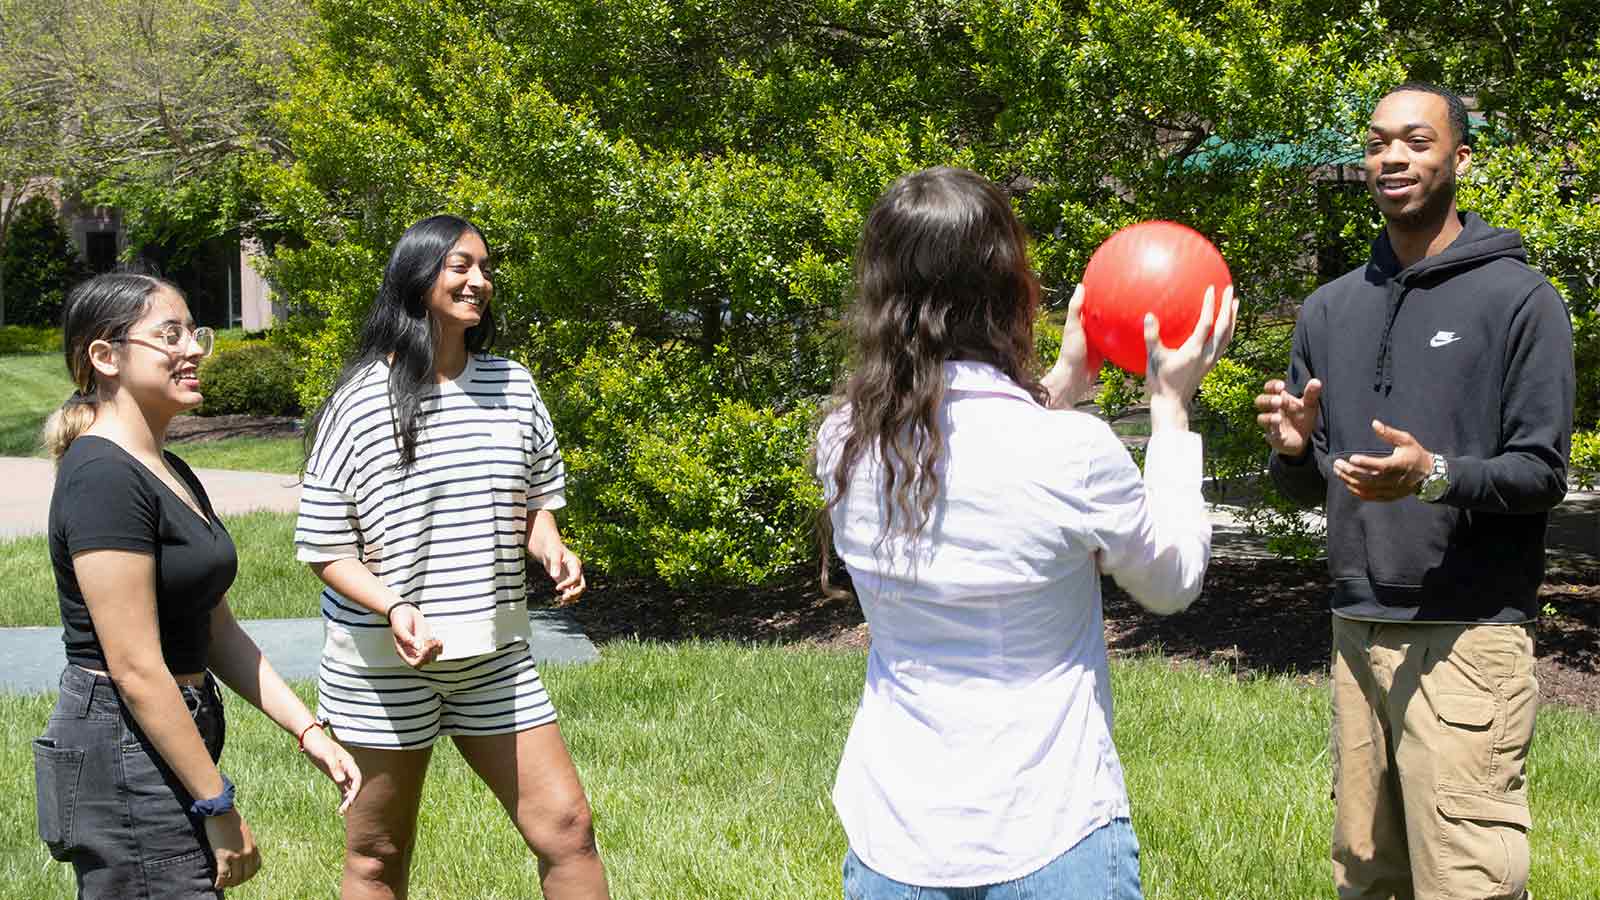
105 499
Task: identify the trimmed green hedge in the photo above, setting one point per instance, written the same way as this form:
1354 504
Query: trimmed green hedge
255 379
29 339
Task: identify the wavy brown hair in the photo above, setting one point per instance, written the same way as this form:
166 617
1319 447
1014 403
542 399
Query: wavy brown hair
941 274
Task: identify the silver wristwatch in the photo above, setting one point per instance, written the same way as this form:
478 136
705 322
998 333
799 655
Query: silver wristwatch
1436 482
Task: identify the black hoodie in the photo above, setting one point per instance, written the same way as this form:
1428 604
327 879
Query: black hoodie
1469 350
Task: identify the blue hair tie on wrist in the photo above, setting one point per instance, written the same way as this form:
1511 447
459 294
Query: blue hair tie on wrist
220 805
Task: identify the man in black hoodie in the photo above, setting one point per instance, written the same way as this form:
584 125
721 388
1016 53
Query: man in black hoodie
1428 406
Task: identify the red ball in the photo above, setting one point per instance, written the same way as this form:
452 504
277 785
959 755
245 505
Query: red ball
1152 267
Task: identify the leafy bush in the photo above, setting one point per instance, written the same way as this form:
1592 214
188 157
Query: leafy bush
256 379
29 339
699 171
1584 465
670 478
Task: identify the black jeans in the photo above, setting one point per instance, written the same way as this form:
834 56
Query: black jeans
110 806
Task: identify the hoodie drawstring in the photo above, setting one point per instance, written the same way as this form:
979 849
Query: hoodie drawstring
1383 378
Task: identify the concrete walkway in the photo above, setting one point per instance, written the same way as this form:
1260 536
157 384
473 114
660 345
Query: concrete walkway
34 656
25 502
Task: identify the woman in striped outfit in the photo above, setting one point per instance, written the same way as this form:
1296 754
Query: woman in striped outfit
432 472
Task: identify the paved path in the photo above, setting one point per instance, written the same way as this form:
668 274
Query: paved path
34 657
27 482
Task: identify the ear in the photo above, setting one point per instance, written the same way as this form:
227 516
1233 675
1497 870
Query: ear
103 359
1463 160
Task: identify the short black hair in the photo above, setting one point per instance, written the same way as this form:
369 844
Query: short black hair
1458 110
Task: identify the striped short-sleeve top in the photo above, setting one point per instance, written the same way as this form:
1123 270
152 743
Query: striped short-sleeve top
449 532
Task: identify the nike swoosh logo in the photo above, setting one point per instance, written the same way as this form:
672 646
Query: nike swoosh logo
1443 338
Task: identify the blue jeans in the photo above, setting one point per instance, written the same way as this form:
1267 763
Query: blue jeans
1103 865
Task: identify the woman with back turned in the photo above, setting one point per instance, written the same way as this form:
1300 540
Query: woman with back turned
974 511
128 786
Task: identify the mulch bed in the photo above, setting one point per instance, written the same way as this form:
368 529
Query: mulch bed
1256 616
189 429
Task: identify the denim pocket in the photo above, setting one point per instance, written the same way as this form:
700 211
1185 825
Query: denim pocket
158 809
55 788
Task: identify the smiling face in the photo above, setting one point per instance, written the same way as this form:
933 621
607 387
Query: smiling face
160 378
461 292
1413 159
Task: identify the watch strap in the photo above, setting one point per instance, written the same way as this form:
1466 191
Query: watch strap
1436 482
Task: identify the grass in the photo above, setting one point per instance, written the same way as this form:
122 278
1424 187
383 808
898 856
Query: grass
271 584
709 768
243 454
32 385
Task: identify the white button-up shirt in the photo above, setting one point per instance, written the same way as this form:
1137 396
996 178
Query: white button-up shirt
982 746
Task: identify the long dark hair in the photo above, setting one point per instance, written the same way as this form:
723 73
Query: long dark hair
941 274
399 330
100 309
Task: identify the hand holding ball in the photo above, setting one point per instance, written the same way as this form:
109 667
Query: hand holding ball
1152 267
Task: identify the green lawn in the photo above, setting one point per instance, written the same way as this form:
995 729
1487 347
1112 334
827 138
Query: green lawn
709 767
33 385
242 454
271 584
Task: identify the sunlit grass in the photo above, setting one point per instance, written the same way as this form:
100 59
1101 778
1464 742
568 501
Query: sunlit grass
709 768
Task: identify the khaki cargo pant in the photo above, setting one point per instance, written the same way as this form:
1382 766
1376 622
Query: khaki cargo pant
1431 727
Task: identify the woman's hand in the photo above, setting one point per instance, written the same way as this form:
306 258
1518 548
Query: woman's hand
413 638
1072 377
1172 376
336 763
238 860
566 569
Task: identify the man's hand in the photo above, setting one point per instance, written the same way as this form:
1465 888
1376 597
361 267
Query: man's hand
1289 420
1386 478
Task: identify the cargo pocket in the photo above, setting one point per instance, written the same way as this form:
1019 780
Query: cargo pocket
1484 844
1473 712
1465 754
55 788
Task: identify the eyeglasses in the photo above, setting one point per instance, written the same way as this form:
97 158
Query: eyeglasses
175 337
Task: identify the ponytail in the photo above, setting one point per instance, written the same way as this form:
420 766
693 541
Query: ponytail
65 424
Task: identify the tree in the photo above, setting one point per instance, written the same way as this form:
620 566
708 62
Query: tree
698 171
145 105
41 262
29 127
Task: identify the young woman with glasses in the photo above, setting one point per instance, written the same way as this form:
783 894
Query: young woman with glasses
129 790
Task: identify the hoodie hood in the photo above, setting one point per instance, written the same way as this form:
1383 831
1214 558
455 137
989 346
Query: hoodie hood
1478 243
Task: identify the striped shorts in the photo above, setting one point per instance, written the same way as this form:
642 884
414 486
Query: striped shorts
401 708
